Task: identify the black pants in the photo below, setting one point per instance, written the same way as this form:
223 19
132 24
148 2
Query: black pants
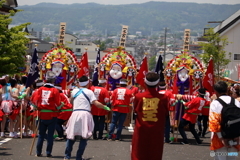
181 126
59 127
98 126
167 129
202 120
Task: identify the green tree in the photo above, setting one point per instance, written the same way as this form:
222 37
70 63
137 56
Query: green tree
152 63
12 44
108 41
215 48
47 39
102 44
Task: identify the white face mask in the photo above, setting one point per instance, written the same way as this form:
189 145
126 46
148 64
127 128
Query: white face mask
116 72
57 68
183 75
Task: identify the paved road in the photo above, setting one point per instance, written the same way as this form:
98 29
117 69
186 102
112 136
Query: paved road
18 149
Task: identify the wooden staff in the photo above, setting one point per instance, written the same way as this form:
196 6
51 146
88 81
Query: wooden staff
179 118
25 120
173 126
34 136
21 122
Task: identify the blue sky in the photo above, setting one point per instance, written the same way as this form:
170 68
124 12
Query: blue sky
115 2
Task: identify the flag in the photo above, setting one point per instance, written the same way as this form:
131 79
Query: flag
142 72
159 68
95 73
33 73
84 69
208 80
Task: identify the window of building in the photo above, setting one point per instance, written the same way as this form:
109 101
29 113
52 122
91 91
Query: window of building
78 49
236 57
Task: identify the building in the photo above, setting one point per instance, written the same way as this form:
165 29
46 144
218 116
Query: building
230 28
36 34
9 5
42 46
79 47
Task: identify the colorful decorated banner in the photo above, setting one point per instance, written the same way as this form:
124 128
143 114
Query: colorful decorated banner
63 63
186 40
62 31
123 37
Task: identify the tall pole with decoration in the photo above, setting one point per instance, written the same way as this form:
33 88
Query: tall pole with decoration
123 37
186 41
62 31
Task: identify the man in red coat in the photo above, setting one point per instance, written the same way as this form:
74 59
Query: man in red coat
192 110
151 112
47 100
102 96
121 99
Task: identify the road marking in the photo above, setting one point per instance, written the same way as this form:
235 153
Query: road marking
5 140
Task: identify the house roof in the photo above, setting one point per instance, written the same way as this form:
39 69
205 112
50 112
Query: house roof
227 23
12 3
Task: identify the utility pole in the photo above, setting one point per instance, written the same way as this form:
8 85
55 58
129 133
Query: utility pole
165 45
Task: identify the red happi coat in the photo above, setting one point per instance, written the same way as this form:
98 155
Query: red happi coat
102 96
65 112
148 137
194 108
121 99
47 98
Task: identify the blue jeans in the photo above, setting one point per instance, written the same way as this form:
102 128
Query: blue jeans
44 126
120 118
98 126
59 127
81 147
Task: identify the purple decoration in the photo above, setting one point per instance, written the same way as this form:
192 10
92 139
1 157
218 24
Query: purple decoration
59 79
179 106
113 82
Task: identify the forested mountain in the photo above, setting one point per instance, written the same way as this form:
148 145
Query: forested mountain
145 17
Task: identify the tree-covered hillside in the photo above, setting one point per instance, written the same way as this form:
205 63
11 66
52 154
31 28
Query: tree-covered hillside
143 17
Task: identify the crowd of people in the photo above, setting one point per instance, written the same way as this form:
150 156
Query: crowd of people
83 109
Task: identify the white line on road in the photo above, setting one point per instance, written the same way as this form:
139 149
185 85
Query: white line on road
5 140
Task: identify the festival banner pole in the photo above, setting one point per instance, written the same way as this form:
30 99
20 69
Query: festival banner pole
34 135
21 121
123 37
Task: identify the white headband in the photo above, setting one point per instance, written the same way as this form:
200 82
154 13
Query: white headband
83 83
123 82
102 81
201 93
151 83
162 87
39 84
60 88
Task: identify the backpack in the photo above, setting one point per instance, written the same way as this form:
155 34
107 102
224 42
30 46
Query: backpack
230 119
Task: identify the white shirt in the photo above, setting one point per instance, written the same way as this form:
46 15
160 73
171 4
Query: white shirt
216 107
81 102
